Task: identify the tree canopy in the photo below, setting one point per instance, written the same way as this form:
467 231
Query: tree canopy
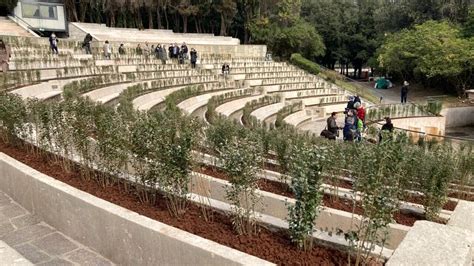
432 51
334 33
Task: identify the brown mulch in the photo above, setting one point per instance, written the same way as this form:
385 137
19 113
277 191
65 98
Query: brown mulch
330 201
269 245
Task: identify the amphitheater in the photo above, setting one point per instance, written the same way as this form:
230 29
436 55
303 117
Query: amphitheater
110 234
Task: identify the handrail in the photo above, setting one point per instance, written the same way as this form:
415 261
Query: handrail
422 133
28 27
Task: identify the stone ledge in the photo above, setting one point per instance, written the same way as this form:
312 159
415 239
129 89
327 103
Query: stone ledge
9 256
430 243
119 234
463 216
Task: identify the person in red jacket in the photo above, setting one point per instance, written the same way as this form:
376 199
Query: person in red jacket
360 112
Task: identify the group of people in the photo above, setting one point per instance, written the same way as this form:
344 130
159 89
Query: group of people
174 52
354 122
179 53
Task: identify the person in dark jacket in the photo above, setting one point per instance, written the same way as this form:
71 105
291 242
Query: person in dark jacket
332 125
184 51
53 42
121 49
350 103
388 126
194 57
349 126
138 50
404 92
87 43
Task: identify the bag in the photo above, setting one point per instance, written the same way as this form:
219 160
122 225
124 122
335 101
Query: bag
328 134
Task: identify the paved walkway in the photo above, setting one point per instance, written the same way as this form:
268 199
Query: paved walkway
38 242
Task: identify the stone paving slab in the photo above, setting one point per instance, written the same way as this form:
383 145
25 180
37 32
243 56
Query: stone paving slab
9 256
40 244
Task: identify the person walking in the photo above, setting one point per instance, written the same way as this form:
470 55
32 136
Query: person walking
164 54
138 50
184 51
194 57
107 50
87 43
404 92
53 43
5 54
121 49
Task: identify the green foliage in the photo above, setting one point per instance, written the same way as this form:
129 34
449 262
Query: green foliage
241 161
433 50
434 107
173 99
8 4
305 169
378 183
249 107
301 62
300 37
438 173
215 101
468 28
286 111
12 116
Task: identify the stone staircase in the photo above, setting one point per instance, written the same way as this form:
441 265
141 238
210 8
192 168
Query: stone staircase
10 28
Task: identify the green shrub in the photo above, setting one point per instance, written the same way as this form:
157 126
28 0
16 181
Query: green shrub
305 168
241 161
301 62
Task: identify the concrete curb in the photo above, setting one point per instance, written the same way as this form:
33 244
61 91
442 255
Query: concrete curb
119 234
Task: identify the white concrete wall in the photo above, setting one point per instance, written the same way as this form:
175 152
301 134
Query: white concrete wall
49 24
421 122
459 116
118 234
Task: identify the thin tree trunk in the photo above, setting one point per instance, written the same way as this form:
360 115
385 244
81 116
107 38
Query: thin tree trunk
196 25
158 18
223 26
150 19
166 19
176 22
185 24
112 19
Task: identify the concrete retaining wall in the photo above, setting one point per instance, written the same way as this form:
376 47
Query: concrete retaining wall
123 236
424 124
329 220
459 116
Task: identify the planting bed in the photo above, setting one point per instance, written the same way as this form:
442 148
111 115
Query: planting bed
450 205
330 201
267 244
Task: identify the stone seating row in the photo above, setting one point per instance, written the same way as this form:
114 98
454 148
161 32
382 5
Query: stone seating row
192 104
149 100
44 90
282 80
267 75
227 109
309 93
261 114
103 33
307 85
109 93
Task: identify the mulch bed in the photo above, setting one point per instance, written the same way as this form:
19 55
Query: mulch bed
330 201
269 245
